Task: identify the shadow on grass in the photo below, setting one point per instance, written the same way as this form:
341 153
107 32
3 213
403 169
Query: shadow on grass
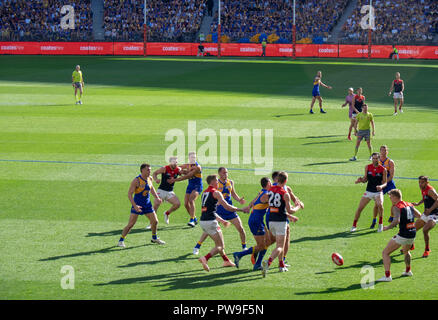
324 163
190 279
174 259
322 142
320 137
343 234
88 253
118 232
289 115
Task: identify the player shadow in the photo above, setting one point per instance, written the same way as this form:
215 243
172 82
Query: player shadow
189 280
322 142
320 137
186 256
352 287
88 253
343 234
288 115
118 232
382 115
324 163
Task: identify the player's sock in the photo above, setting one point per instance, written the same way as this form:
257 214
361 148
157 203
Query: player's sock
408 268
225 258
374 222
281 263
260 257
355 223
198 245
122 238
427 248
243 245
167 213
387 274
154 236
269 261
412 247
207 256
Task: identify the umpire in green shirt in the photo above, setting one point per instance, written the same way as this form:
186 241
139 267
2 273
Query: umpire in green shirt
364 122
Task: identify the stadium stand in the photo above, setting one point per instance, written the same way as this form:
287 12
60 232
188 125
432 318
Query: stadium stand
39 20
243 19
168 20
396 21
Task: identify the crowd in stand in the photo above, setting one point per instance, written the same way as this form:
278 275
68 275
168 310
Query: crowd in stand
39 20
396 21
244 18
167 20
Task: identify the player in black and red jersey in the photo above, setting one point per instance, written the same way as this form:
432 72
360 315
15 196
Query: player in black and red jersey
211 197
358 102
280 210
375 177
404 215
398 86
430 216
165 189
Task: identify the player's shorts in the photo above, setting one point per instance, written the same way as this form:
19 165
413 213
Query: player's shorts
225 214
144 210
361 134
165 195
390 186
210 227
353 115
403 241
195 187
430 217
256 225
278 228
316 93
78 85
398 95
376 196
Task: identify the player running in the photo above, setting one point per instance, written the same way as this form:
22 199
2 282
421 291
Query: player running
279 211
315 92
404 215
77 82
193 172
211 198
259 207
165 189
375 177
398 86
364 121
430 216
390 169
351 111
142 187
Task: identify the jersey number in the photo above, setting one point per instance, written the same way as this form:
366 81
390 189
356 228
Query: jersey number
204 198
274 199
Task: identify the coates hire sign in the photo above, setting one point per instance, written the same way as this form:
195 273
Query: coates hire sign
227 49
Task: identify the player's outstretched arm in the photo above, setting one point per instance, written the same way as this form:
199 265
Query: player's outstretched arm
220 199
157 172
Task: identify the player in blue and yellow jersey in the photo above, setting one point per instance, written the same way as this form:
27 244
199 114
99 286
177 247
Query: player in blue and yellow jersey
259 207
77 82
226 187
141 187
193 172
315 92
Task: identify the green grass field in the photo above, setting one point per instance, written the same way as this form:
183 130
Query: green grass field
66 169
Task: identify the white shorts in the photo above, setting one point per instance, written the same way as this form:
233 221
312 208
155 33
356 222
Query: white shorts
376 196
278 228
431 217
211 227
403 241
398 95
165 195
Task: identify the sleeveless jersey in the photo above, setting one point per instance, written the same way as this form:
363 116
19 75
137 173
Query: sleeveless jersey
398 85
374 177
141 193
226 188
209 203
259 209
385 164
428 201
164 185
406 225
358 102
196 180
277 205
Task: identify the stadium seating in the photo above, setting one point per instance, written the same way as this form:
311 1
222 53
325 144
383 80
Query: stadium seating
396 21
245 18
40 20
168 20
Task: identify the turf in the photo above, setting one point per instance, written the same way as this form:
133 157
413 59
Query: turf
66 169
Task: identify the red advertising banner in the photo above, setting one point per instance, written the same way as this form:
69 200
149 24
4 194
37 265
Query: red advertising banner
227 49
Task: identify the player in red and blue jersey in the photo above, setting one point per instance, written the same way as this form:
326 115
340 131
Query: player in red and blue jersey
259 207
193 172
316 95
141 187
404 215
